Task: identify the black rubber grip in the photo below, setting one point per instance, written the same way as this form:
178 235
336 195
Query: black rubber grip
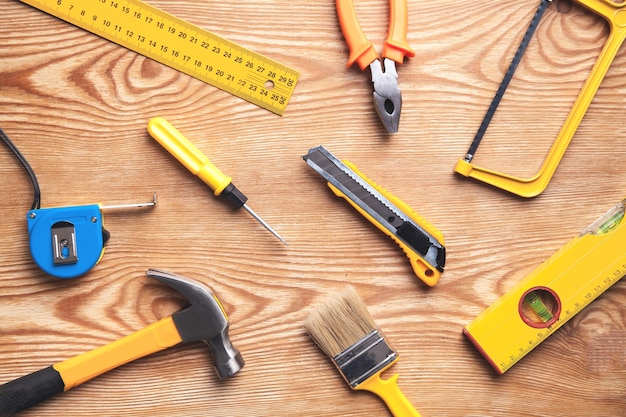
29 390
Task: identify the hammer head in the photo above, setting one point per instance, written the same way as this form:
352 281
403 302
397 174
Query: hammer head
203 320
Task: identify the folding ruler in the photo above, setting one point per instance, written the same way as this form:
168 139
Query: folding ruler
181 45
553 293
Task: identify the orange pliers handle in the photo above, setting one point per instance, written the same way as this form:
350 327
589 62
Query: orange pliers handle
362 51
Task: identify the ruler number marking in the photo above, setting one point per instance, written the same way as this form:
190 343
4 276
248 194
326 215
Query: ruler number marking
177 44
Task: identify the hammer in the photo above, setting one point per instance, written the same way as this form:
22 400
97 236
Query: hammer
204 320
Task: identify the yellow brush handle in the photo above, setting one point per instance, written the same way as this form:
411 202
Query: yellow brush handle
389 392
154 338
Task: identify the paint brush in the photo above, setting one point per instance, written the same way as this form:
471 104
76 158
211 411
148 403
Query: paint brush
344 329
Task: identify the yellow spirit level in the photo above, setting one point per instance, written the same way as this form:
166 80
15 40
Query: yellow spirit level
553 293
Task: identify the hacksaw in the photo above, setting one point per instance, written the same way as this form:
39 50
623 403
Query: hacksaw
614 11
553 293
183 46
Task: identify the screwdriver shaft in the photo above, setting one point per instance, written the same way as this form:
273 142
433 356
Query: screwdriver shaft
260 220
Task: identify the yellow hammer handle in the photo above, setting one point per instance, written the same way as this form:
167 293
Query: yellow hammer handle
389 392
154 338
187 154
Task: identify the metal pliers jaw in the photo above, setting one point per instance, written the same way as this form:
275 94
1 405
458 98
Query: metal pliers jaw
387 96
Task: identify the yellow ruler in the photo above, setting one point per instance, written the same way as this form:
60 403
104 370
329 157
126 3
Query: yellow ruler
181 45
553 293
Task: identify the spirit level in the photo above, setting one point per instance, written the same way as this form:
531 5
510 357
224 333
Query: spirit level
181 45
553 293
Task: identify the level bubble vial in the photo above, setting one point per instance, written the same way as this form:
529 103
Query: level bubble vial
608 222
540 307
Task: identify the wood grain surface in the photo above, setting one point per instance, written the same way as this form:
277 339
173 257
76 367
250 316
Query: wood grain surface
77 107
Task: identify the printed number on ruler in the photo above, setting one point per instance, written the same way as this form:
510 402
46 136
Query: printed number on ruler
181 45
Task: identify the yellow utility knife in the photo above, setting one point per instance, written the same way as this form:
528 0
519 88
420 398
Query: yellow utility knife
420 240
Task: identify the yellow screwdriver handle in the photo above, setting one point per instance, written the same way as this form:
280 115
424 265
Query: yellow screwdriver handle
154 338
187 154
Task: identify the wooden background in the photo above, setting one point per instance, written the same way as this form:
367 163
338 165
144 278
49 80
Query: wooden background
77 107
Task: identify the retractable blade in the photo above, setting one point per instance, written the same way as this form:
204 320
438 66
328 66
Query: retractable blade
421 241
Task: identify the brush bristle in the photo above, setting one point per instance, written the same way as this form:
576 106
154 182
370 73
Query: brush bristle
340 322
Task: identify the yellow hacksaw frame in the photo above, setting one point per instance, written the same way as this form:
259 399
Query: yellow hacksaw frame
614 11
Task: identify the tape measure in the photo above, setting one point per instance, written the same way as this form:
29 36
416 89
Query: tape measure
553 293
183 46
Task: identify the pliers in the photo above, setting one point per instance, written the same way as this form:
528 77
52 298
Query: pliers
387 97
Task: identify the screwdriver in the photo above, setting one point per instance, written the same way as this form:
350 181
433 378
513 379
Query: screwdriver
196 162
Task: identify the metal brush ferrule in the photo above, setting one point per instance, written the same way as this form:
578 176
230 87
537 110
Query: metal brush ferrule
365 358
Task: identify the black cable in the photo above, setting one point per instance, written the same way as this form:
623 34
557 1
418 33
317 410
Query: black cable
27 167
